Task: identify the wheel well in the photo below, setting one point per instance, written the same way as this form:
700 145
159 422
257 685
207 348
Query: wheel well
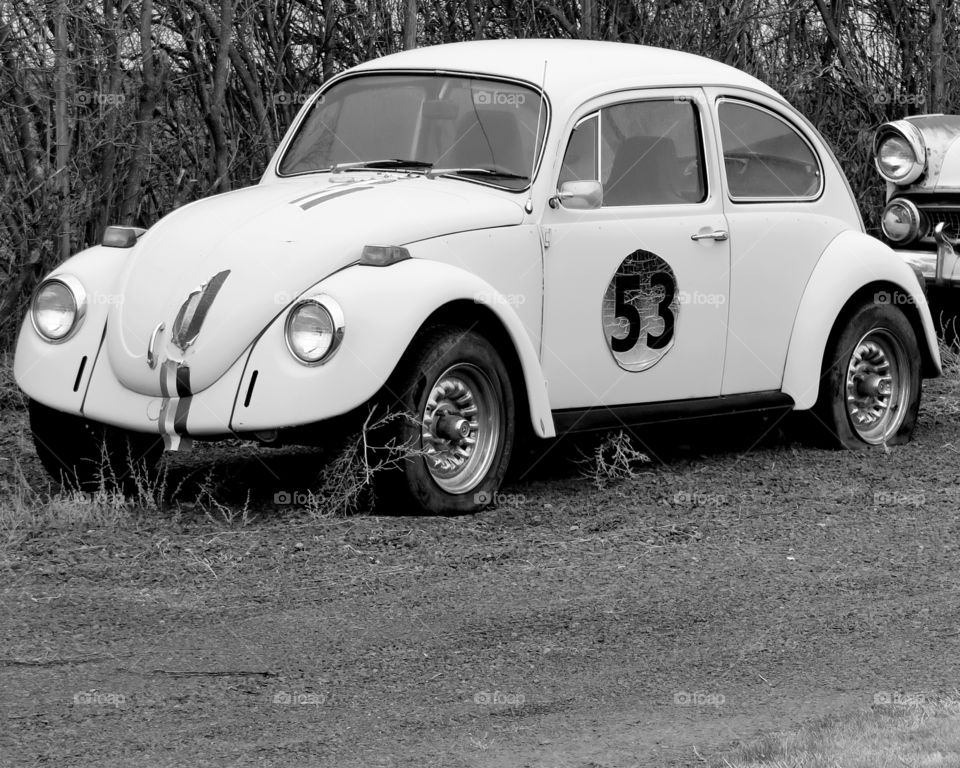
882 292
475 317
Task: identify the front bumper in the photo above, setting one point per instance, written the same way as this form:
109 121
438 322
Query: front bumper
937 268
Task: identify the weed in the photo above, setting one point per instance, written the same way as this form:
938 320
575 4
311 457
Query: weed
614 458
347 480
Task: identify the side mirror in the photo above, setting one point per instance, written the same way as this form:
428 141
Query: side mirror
580 195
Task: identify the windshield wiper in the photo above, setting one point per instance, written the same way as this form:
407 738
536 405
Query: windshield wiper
498 173
381 164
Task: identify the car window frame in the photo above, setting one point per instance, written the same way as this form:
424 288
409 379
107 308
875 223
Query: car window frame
545 120
741 100
700 111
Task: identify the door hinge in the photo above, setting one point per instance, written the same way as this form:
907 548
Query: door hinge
546 236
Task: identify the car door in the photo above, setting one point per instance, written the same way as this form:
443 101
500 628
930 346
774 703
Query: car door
636 290
784 204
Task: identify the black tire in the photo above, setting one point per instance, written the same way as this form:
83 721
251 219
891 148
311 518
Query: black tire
870 387
87 456
451 382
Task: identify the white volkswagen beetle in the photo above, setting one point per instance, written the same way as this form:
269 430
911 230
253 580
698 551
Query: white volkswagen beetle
488 237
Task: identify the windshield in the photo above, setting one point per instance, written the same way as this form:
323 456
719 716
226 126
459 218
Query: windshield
478 129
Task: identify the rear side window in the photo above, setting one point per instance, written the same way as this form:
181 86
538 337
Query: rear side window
764 157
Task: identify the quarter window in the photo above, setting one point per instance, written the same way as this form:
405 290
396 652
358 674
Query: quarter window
580 160
764 157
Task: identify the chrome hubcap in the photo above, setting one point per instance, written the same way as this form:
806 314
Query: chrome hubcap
877 388
461 428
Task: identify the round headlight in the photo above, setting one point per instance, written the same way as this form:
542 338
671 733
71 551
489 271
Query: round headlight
900 152
57 308
901 221
314 329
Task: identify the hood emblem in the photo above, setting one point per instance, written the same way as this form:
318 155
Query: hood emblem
194 310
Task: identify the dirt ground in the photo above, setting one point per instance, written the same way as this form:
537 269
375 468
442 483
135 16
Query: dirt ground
730 589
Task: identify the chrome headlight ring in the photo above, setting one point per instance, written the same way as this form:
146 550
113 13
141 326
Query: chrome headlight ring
69 289
314 329
902 135
902 222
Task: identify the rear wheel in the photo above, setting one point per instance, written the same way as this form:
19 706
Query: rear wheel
85 455
870 389
453 417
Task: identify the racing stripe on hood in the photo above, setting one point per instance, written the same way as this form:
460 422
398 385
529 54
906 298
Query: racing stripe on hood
177 396
310 204
315 198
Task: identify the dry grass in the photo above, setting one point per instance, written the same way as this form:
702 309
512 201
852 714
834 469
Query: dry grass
614 458
24 510
10 395
347 482
926 733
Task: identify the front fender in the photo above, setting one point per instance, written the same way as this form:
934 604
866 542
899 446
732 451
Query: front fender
850 264
57 374
383 309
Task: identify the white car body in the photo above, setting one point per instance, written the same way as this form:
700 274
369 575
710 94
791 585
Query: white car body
757 296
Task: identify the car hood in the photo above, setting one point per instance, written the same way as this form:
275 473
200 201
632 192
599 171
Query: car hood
233 262
941 134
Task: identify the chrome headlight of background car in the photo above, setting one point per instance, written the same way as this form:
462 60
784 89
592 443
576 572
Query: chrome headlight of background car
314 329
900 153
902 222
58 307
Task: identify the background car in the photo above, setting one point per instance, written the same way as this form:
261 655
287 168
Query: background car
482 238
919 159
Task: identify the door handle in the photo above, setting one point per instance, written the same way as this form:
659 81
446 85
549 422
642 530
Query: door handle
717 234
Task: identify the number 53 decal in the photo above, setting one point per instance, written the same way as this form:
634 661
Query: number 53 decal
640 311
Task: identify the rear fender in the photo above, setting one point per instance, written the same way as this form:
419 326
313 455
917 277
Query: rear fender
855 267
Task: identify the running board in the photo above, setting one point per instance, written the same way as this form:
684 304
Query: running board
607 416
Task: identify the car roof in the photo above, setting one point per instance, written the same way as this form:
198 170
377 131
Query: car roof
573 66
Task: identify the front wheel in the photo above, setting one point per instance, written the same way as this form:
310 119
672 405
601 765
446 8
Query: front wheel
870 389
457 425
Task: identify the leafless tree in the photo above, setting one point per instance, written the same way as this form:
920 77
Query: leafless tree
122 110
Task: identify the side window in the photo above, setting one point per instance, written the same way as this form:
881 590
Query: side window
651 153
580 159
764 157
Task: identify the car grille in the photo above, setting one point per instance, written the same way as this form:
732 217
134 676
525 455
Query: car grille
935 214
